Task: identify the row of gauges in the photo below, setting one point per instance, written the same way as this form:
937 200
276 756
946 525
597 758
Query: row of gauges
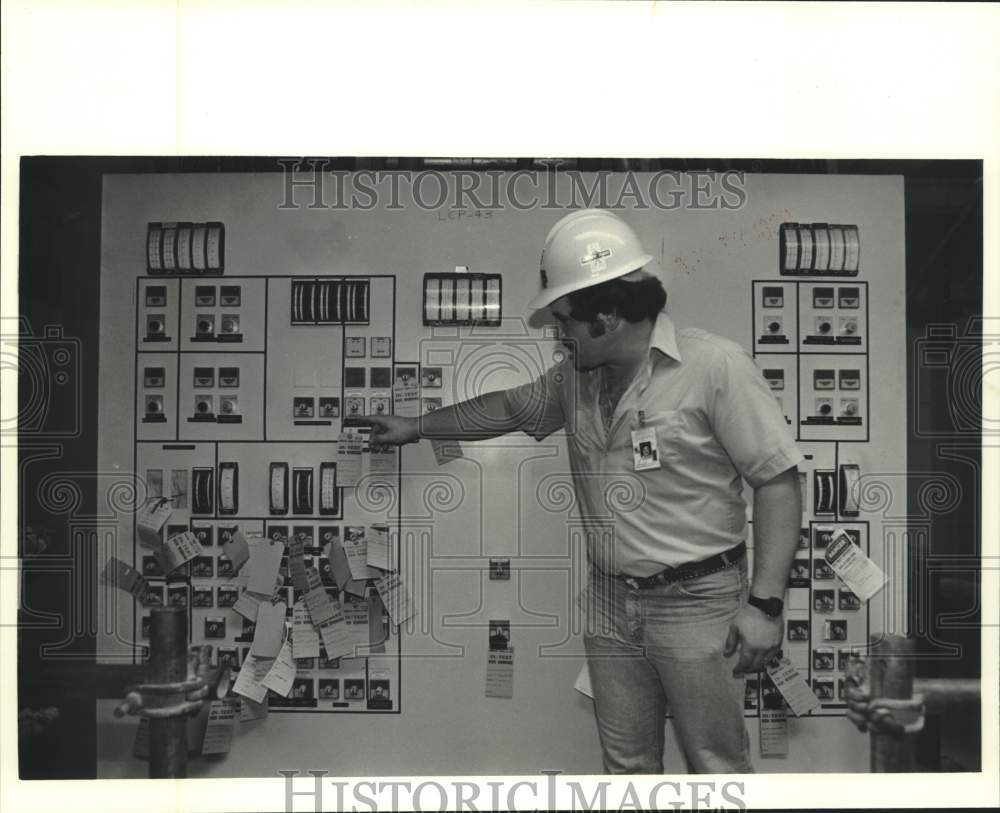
850 406
288 489
462 299
330 301
822 379
834 629
206 328
837 491
185 248
848 297
819 249
204 405
827 380
825 331
205 296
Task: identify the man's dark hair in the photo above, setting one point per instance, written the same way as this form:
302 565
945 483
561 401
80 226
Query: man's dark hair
632 301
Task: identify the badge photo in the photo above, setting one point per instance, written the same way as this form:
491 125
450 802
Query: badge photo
645 454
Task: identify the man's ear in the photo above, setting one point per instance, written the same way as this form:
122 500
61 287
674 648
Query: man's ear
607 322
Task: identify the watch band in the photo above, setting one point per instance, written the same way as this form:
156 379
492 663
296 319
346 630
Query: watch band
772 607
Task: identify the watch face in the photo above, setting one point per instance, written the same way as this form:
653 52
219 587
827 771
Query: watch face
770 606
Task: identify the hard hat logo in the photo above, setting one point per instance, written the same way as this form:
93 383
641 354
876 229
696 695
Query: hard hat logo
597 258
586 247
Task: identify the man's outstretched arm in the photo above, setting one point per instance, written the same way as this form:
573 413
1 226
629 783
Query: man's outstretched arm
480 418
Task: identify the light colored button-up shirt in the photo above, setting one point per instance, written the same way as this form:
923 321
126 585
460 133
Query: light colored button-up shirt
716 421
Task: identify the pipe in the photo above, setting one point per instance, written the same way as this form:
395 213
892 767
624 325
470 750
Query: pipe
168 664
891 666
940 694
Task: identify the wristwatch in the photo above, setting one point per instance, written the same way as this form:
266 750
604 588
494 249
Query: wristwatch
772 607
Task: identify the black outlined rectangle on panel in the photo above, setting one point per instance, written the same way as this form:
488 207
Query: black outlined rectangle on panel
331 301
229 488
462 299
203 496
349 299
329 494
302 491
848 489
819 249
230 296
825 491
278 488
302 500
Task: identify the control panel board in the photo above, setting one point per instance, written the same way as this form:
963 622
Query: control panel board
243 387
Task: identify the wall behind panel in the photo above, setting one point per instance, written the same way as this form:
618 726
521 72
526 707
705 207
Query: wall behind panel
512 489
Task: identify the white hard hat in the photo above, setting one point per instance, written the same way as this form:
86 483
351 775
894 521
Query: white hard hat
586 248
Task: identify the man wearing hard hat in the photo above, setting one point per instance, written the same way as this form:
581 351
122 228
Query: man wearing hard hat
677 417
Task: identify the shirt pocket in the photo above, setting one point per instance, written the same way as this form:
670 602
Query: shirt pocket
670 432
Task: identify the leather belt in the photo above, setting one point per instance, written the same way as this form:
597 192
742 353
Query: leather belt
689 570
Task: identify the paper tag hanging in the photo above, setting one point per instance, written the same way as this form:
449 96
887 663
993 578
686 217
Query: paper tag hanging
349 459
337 639
150 520
342 570
221 720
248 680
378 554
356 547
281 675
320 608
178 550
793 687
356 619
269 629
317 599
500 673
396 598
854 568
773 733
123 576
237 549
406 396
305 639
248 604
296 563
264 564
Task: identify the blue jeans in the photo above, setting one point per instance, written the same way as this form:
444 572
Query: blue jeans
647 648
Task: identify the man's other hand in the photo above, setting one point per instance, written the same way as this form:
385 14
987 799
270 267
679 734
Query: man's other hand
756 636
390 430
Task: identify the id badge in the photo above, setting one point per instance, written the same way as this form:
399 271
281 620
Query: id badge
645 454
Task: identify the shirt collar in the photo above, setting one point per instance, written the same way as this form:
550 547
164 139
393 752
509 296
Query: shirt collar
664 337
663 340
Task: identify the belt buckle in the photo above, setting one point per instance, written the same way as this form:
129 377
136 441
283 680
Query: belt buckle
632 582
